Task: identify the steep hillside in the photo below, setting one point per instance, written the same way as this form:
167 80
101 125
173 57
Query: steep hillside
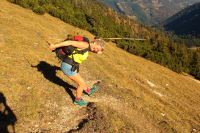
103 21
134 95
149 12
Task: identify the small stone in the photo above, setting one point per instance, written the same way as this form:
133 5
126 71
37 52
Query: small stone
162 114
28 88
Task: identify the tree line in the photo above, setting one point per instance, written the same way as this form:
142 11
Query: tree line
100 20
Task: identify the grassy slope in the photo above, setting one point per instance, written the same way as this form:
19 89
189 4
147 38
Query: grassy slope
138 95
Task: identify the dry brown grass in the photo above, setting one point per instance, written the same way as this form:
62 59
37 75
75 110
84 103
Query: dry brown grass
138 95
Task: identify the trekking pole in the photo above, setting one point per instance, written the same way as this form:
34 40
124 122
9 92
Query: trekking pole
42 37
123 38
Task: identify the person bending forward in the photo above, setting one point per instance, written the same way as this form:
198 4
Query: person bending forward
96 46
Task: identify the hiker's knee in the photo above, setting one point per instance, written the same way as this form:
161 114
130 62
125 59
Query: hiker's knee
82 83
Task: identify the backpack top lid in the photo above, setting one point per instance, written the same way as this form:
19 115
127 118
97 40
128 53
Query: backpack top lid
78 38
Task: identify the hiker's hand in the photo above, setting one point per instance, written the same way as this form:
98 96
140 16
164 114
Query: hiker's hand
52 46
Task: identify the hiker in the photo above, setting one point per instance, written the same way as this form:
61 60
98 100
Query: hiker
70 63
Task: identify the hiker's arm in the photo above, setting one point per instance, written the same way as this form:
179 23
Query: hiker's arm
81 45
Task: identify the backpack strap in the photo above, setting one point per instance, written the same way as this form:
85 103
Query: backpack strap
82 51
78 38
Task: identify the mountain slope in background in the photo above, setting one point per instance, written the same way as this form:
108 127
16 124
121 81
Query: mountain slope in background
134 94
149 12
184 23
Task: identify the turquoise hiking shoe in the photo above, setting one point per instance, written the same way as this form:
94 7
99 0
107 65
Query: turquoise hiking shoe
92 90
80 102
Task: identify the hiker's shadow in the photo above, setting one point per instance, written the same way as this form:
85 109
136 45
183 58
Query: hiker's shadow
49 73
7 117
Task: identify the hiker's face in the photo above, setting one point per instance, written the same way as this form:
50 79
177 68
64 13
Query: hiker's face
97 49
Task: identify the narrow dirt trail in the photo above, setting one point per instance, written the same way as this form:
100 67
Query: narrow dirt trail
121 107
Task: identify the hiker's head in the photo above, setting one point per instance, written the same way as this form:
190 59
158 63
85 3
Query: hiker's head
97 46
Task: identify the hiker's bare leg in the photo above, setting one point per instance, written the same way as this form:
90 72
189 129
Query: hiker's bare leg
81 84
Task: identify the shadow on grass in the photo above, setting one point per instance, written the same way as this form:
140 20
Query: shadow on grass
7 117
49 73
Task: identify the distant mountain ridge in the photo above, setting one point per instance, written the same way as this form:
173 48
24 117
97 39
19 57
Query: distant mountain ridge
185 23
149 12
